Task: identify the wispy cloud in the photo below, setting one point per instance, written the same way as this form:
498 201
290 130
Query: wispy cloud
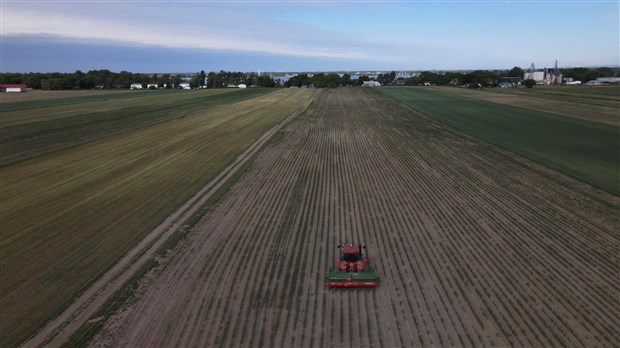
382 34
162 24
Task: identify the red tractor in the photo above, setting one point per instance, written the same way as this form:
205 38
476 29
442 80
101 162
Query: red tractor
352 269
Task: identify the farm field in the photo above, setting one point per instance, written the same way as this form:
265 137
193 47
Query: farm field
40 95
31 129
474 245
70 213
597 104
586 150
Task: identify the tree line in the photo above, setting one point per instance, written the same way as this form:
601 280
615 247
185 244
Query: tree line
488 78
222 79
88 80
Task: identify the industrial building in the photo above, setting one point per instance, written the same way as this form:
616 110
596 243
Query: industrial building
545 76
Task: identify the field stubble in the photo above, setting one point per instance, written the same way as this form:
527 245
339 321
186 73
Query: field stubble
474 245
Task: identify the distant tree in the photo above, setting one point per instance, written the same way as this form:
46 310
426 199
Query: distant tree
529 83
361 79
250 79
442 80
55 83
318 80
88 82
164 81
196 81
265 81
592 75
332 80
33 80
605 72
212 80
515 72
428 76
414 81
299 81
454 78
10 78
70 81
346 80
203 77
577 74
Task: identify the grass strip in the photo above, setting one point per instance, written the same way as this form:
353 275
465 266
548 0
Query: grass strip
123 296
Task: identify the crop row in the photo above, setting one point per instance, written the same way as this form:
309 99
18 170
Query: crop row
474 246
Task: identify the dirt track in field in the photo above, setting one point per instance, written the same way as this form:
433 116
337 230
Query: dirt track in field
474 246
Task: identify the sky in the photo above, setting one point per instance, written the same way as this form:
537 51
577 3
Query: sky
313 35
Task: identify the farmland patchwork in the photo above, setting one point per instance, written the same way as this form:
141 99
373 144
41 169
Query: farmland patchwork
474 245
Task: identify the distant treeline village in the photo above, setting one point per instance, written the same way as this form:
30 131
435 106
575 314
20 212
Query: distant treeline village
105 79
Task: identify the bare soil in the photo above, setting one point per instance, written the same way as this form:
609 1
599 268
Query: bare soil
474 245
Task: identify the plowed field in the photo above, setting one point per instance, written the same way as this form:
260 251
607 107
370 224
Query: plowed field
474 245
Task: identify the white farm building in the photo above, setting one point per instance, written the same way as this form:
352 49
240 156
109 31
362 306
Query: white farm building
13 88
371 84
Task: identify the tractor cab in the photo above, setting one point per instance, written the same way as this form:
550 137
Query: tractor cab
352 253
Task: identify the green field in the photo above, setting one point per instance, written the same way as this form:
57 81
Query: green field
84 180
586 150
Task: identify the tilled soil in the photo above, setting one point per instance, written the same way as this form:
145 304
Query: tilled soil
474 246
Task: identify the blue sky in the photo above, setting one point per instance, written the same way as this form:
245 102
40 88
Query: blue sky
193 35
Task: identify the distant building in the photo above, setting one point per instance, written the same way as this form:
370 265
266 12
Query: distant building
605 80
371 84
152 86
242 85
593 83
546 77
538 76
135 86
13 88
507 82
184 85
570 81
